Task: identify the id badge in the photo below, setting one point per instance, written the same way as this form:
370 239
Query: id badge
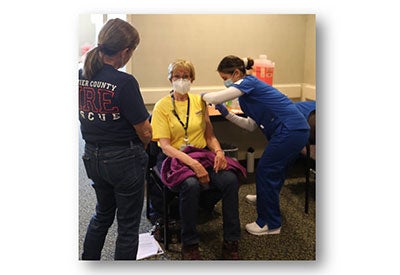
183 146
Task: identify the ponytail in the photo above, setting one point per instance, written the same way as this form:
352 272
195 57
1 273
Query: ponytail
93 63
230 63
113 37
248 63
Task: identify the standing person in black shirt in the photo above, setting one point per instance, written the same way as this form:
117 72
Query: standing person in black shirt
116 129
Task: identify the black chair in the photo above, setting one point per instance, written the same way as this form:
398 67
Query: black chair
161 203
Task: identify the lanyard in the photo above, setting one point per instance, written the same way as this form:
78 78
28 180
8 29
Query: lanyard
185 126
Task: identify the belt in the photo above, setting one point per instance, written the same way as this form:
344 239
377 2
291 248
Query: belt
127 143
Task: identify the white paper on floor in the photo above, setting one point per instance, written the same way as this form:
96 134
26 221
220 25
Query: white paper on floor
148 246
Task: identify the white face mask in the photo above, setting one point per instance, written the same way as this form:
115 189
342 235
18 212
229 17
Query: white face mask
181 86
229 82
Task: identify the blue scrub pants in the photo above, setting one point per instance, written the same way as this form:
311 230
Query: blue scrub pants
282 149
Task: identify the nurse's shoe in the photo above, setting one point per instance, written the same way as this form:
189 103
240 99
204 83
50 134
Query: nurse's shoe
254 229
252 199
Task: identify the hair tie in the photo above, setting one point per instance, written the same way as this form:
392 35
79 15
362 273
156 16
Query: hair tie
100 46
246 61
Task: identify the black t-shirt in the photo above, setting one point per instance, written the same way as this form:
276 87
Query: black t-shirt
109 105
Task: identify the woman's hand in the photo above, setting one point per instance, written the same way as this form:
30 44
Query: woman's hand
201 172
220 162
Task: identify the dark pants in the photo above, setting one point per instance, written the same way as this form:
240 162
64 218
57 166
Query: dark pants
226 182
118 174
282 149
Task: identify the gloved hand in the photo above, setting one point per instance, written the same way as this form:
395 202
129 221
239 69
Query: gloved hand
222 109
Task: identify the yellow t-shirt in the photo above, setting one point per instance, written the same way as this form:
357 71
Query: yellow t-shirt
166 125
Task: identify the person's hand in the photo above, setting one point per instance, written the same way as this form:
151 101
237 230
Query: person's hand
222 109
220 162
201 172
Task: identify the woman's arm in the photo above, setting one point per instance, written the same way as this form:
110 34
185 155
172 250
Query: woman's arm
144 132
198 169
213 144
222 96
243 122
226 95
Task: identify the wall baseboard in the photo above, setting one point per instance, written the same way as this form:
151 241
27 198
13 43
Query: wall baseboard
299 91
309 92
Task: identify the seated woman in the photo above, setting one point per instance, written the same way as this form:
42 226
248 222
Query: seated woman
194 161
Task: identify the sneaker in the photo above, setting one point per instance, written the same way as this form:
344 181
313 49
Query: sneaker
252 199
191 252
254 229
230 250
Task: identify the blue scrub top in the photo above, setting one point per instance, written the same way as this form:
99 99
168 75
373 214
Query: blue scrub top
306 107
268 107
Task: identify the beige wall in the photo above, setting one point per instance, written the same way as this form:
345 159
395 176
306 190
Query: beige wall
288 40
310 51
87 32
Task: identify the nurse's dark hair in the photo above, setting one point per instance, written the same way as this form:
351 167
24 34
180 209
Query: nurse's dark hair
230 63
115 36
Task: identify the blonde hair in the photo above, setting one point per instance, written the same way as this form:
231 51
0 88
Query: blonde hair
183 65
113 37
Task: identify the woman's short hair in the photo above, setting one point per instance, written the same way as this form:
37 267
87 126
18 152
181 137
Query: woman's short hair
181 64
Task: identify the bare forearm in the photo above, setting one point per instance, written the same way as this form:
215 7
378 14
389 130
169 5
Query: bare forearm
144 132
145 137
172 152
213 144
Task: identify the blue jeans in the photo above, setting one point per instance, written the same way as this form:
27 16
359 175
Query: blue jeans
190 190
118 175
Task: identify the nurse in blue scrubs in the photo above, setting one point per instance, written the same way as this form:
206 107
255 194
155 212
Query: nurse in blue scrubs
283 125
308 109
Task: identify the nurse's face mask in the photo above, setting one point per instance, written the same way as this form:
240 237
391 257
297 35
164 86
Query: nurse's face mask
229 81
